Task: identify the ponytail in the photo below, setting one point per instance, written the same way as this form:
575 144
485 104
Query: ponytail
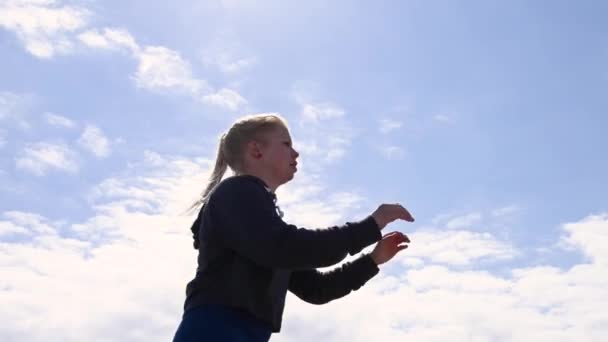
218 172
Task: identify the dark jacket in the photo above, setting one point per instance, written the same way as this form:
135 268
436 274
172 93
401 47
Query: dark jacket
249 257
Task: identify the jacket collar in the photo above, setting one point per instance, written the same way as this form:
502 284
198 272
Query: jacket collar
259 181
272 194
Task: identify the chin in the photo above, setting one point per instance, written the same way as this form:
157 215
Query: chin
290 177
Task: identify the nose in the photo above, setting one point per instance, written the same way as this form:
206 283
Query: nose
295 154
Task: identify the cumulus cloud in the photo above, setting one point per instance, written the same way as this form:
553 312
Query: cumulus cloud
228 57
225 98
95 141
323 132
437 303
14 108
458 247
109 38
54 273
137 217
38 158
465 221
320 112
48 28
43 26
448 295
309 203
162 69
506 211
590 237
58 120
22 223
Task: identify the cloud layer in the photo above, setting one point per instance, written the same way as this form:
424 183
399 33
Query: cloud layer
120 274
48 28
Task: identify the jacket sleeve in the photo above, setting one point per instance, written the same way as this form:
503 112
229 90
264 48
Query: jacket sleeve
246 221
316 287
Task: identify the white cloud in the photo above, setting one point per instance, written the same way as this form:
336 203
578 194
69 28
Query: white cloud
15 109
42 26
458 247
49 279
135 217
321 112
38 158
309 203
25 223
95 141
506 211
590 236
465 221
227 57
164 70
48 28
436 303
110 39
323 131
226 98
326 144
9 228
161 68
58 120
54 275
387 125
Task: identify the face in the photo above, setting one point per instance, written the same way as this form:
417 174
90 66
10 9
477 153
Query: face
278 156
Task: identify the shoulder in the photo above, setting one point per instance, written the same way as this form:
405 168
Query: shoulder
241 186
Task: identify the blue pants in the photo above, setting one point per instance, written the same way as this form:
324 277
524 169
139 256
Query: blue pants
220 323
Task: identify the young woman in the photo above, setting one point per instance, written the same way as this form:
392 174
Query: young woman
249 257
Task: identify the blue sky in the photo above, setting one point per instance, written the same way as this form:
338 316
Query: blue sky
484 118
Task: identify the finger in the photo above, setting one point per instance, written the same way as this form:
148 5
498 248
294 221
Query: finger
391 234
400 237
400 248
405 214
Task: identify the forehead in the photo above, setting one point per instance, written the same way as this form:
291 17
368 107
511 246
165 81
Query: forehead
279 132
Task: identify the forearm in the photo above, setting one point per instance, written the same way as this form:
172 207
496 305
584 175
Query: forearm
319 288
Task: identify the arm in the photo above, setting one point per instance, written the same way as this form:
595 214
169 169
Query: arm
315 287
245 220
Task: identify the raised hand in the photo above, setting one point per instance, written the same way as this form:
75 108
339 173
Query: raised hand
387 213
389 246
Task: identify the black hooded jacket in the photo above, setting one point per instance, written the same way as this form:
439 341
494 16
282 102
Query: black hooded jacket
249 257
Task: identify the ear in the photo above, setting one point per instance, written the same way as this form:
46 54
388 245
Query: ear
254 149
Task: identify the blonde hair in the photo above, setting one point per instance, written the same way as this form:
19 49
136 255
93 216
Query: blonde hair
231 150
